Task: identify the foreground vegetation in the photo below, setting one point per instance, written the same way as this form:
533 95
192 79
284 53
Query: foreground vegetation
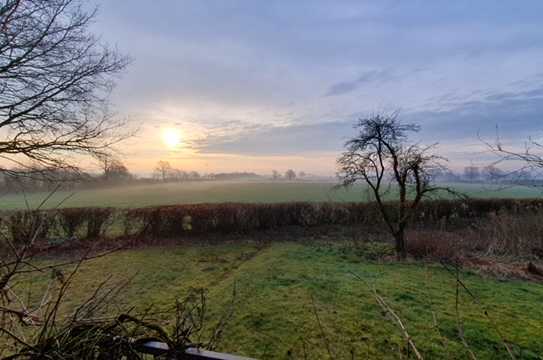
219 191
296 298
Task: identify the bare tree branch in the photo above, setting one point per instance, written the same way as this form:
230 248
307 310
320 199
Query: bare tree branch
55 78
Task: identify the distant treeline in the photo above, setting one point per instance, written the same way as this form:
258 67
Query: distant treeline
50 182
113 173
489 174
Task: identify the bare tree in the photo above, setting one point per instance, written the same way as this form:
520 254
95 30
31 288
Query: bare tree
380 156
180 175
163 170
472 173
55 78
194 175
275 175
523 175
492 173
113 169
530 158
290 175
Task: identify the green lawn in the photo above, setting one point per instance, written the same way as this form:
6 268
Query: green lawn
216 192
275 285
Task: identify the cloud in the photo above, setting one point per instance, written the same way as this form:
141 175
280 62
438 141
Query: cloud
287 140
517 115
268 53
372 76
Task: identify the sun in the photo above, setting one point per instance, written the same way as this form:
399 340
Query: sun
171 138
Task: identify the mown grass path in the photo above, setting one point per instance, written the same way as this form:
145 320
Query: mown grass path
281 285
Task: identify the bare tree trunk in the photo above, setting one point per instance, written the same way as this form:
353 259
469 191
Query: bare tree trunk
401 248
402 224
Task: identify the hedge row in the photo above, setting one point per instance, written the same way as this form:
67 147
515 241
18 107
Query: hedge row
177 221
21 227
173 221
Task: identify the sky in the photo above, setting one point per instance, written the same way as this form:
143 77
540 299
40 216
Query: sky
262 85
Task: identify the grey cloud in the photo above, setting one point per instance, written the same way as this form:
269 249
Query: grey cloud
366 78
342 88
265 53
516 116
288 140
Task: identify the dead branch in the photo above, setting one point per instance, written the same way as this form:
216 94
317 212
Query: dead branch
321 329
460 283
382 303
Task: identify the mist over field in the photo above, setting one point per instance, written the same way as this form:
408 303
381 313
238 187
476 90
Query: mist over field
130 195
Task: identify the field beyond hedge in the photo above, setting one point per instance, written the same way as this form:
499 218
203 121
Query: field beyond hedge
274 311
134 196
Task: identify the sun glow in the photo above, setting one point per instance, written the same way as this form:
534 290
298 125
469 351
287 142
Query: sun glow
171 138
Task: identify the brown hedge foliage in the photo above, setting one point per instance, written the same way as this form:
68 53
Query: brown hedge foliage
96 221
88 223
436 245
177 221
24 226
181 220
171 221
71 220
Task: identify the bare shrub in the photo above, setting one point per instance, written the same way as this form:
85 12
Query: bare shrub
246 217
96 221
71 220
22 226
508 233
147 219
309 214
435 245
513 231
131 222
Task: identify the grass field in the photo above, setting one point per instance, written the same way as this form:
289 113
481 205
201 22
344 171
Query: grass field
275 311
216 192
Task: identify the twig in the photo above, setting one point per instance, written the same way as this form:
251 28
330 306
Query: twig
459 325
459 282
397 319
321 328
388 309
